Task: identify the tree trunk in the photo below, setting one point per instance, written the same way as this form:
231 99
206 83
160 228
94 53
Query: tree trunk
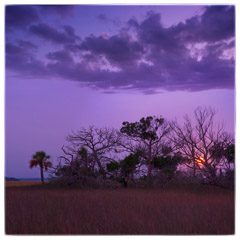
194 168
149 173
212 172
42 178
125 183
86 166
100 166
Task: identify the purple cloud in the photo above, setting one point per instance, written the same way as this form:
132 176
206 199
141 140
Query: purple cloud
215 24
218 22
104 18
20 59
20 16
61 56
27 44
118 49
61 10
49 33
146 57
21 48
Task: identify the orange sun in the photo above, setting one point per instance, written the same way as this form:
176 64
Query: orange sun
200 161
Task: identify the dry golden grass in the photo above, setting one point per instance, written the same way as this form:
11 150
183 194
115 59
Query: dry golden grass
21 183
34 210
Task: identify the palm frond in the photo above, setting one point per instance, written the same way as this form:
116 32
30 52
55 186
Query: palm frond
33 163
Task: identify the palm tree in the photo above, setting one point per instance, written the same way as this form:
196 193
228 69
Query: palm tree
40 159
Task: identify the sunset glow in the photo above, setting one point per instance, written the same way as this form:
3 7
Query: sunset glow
200 161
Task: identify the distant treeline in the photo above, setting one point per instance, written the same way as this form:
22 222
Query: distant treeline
23 179
11 179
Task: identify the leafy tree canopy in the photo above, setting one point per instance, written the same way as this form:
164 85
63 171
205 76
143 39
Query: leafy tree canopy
128 165
168 164
83 152
146 128
229 153
113 166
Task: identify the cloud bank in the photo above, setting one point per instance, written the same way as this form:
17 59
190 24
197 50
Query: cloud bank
143 56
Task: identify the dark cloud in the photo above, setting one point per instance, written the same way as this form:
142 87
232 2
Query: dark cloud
215 24
110 92
20 58
102 17
218 22
20 16
151 32
71 32
132 22
106 19
61 56
20 48
13 49
118 49
49 33
27 44
192 56
72 47
61 10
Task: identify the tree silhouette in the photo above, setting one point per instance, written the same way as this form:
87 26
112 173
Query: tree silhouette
168 163
125 169
99 142
203 142
113 168
128 167
40 159
149 135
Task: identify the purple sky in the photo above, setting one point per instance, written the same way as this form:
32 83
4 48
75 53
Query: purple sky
68 67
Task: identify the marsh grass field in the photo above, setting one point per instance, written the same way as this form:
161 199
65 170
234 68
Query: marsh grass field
34 209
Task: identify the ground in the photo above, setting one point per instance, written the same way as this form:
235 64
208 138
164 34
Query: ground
36 209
